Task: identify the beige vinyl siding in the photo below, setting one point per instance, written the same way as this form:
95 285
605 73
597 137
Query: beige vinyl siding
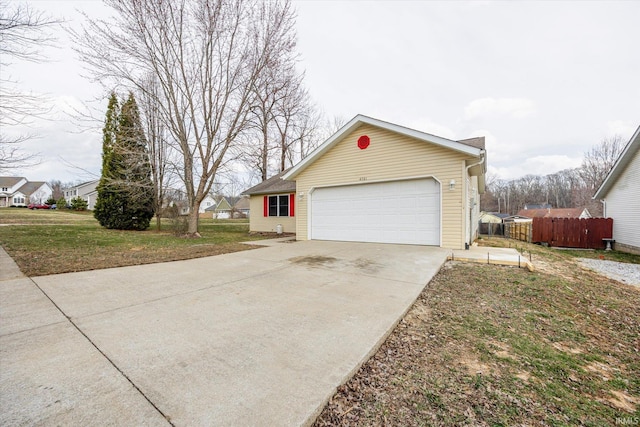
390 156
258 222
623 205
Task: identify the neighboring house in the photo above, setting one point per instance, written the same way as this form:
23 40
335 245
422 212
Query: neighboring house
620 197
555 213
272 203
516 218
491 223
492 217
242 207
18 191
374 181
222 209
228 207
207 202
87 191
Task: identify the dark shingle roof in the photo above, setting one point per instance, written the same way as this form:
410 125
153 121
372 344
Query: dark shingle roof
273 185
9 181
477 142
31 187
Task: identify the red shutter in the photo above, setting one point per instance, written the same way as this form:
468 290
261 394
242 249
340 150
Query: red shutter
292 204
265 210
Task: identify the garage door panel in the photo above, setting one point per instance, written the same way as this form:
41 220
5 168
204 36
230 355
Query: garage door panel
387 212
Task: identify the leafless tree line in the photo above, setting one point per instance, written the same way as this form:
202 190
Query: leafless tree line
569 188
216 81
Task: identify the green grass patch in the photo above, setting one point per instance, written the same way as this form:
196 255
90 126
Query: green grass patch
59 241
501 346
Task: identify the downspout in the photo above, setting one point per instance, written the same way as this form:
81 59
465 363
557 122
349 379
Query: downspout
481 161
604 208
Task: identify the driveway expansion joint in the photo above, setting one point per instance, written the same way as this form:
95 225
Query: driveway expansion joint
111 362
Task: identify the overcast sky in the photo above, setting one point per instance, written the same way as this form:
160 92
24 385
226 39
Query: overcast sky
542 81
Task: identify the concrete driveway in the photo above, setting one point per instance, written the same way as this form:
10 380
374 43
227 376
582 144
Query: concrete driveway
261 337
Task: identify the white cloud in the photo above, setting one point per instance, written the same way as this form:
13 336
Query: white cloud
518 108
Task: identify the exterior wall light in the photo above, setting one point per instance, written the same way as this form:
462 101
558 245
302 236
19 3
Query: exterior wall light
300 196
452 184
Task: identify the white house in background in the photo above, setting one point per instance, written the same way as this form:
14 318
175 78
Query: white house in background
86 191
18 191
621 198
207 202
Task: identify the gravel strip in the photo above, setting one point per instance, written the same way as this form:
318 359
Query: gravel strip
620 271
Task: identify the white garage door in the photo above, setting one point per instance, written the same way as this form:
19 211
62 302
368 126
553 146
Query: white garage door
385 212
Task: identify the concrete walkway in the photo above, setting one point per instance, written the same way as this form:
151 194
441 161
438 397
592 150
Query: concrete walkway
260 337
489 255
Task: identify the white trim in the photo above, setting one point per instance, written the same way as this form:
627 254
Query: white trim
377 181
360 119
619 166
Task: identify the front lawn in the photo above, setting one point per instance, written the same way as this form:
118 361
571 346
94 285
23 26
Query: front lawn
51 242
500 346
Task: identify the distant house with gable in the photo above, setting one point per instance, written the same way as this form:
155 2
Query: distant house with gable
18 191
88 191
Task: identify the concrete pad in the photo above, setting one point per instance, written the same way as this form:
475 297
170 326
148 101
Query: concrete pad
53 376
50 374
489 255
23 306
260 337
89 292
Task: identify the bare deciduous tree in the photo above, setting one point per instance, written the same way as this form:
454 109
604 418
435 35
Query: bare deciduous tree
159 149
23 32
599 160
569 188
206 57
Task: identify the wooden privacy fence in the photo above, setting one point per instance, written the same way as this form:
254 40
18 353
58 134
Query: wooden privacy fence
518 230
572 232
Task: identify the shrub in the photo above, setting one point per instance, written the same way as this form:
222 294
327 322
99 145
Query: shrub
78 204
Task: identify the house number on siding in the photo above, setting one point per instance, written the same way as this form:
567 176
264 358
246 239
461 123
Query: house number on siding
363 178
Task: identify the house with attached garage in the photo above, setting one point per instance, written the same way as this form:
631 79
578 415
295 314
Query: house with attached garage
18 191
374 181
621 198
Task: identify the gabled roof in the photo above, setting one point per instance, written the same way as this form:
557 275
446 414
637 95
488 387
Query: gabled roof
31 187
273 185
552 213
84 184
477 142
223 205
242 203
625 158
497 214
467 147
10 181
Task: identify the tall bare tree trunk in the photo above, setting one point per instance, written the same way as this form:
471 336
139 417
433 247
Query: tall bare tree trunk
207 58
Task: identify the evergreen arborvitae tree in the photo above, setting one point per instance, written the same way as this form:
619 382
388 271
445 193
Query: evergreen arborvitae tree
107 202
125 193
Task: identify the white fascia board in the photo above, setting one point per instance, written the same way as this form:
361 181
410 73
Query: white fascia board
618 167
360 119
